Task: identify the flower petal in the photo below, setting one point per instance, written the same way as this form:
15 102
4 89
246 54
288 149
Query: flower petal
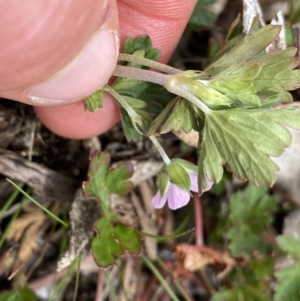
158 201
209 184
194 181
177 197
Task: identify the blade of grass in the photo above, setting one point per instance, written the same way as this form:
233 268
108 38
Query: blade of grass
177 232
177 284
13 218
185 221
113 293
39 205
159 277
122 273
10 200
78 259
65 237
166 237
60 285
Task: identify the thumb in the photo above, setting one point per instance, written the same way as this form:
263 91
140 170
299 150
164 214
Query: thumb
54 49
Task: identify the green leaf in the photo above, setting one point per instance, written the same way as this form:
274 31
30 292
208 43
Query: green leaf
117 178
112 240
128 45
179 176
185 164
94 102
23 294
142 43
163 181
268 76
95 186
236 82
250 214
290 245
153 54
130 132
240 294
288 288
211 97
103 181
201 16
247 48
294 12
243 141
141 46
128 237
154 95
135 102
251 282
182 116
27 294
105 247
125 83
157 122
9 296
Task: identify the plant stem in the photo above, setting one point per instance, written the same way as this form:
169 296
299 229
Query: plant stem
160 149
149 63
8 226
180 87
39 205
135 118
111 288
10 200
141 74
199 241
159 277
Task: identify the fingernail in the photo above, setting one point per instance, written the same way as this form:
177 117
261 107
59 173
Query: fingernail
85 74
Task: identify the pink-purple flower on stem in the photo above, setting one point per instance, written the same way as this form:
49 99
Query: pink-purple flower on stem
176 196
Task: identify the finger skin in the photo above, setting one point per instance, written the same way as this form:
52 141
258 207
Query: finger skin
33 27
164 22
54 49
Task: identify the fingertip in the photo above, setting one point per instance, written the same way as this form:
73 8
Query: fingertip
73 122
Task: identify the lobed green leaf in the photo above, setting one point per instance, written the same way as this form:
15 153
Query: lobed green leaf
288 287
182 116
250 214
94 101
103 181
243 140
248 47
290 245
95 186
112 240
117 178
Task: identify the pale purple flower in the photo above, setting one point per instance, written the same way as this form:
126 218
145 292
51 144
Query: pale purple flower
176 196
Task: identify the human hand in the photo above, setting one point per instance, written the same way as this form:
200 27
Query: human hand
57 53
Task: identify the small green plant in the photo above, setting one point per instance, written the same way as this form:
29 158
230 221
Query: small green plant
112 237
231 104
23 294
289 277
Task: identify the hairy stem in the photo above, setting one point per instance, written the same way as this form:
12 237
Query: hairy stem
149 63
160 149
135 118
141 74
199 241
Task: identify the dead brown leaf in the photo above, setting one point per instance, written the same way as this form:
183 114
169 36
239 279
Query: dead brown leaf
191 258
25 231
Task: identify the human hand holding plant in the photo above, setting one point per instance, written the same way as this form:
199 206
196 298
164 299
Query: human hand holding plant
60 53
